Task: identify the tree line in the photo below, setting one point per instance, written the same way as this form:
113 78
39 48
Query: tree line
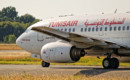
12 25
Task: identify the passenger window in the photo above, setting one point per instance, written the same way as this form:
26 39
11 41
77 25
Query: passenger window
110 28
81 29
105 28
85 29
65 30
73 29
96 28
119 28
100 28
128 27
115 28
70 30
123 28
93 29
89 29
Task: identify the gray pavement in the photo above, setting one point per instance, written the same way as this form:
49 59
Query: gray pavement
65 70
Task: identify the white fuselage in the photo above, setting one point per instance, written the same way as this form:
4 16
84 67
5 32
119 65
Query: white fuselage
114 28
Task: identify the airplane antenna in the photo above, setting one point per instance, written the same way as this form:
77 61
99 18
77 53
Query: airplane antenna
115 11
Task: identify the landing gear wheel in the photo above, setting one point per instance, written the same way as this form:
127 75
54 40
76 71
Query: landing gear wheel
45 64
114 63
106 63
110 63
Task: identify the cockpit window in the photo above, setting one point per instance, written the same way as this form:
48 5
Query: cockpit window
27 30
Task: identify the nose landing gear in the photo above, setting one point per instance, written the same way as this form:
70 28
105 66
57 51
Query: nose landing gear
45 64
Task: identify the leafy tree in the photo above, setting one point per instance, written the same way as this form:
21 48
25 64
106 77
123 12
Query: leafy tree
0 14
9 12
5 18
12 25
11 38
5 39
27 18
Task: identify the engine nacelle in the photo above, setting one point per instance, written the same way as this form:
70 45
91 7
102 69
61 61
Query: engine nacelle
61 52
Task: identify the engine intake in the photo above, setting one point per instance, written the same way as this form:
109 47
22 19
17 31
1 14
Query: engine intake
61 52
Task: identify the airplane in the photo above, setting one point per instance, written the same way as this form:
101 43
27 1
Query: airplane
67 39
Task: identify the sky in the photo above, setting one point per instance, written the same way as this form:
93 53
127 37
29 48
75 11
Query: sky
43 9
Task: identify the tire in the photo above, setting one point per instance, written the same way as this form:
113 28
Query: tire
45 64
114 63
106 63
48 64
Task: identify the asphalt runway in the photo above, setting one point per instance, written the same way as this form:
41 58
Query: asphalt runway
65 70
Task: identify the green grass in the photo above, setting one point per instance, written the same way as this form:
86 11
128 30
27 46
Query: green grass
85 61
91 61
26 60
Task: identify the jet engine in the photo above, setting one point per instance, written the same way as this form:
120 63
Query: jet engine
61 52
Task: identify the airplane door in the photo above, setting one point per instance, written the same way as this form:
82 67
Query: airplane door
101 30
40 37
37 42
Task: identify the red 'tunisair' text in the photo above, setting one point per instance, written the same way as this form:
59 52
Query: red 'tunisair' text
63 23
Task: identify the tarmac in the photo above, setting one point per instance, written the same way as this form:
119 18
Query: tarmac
65 70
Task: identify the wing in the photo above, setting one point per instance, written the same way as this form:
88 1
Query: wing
76 39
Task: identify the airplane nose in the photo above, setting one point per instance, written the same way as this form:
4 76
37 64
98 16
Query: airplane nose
18 42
